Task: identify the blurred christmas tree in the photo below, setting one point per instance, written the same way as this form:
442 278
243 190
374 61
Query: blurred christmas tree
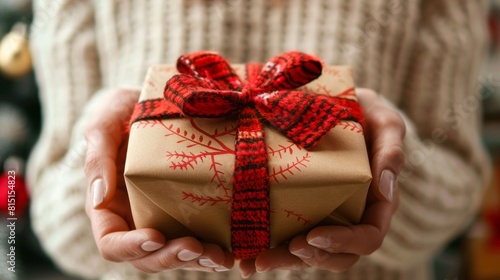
20 123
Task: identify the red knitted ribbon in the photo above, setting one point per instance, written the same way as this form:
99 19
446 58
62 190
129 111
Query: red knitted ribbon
209 88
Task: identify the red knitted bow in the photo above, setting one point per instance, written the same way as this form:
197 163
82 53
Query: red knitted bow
209 88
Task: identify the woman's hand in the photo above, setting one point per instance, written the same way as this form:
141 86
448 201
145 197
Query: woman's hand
108 206
337 248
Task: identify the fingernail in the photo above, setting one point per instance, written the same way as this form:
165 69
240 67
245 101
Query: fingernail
186 255
319 242
386 184
98 192
304 253
262 269
221 269
246 276
151 246
207 263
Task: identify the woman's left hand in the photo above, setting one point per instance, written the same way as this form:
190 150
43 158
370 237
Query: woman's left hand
108 206
337 248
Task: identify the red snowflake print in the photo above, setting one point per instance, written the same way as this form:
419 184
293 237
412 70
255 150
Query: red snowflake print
299 217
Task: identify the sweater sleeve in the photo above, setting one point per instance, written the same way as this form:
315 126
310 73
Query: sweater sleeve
446 168
66 63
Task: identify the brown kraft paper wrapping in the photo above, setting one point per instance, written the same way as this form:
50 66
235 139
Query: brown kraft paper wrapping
178 171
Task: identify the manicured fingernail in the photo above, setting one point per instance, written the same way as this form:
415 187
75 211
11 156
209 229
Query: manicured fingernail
221 269
386 184
319 242
304 253
151 246
207 263
98 192
186 255
262 269
246 275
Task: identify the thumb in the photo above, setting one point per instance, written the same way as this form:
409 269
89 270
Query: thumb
385 131
100 168
104 136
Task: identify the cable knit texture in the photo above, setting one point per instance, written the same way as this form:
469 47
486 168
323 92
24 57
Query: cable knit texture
422 56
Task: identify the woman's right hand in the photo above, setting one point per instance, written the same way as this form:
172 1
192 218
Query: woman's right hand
108 207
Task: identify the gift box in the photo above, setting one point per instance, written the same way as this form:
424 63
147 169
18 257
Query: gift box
246 155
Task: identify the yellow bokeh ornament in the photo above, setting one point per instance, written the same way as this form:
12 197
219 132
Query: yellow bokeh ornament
15 57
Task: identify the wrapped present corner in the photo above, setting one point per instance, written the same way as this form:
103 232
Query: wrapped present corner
246 156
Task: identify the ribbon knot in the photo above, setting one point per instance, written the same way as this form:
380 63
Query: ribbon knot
249 94
208 87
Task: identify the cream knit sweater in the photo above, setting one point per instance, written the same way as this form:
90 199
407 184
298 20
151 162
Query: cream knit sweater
422 56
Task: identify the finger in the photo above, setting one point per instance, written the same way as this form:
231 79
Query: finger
362 239
385 131
386 163
129 245
278 258
176 254
367 98
379 116
100 168
247 268
213 256
312 256
228 262
114 239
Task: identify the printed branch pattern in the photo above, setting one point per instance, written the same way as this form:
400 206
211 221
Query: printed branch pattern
352 126
299 217
214 147
183 160
201 200
296 165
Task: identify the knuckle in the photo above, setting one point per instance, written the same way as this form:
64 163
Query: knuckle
168 263
104 249
123 100
388 118
395 155
109 126
105 254
116 249
373 237
334 247
119 106
143 268
126 92
127 251
346 243
370 93
92 163
91 132
106 125
341 247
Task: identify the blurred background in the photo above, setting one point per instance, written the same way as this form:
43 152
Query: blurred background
473 255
